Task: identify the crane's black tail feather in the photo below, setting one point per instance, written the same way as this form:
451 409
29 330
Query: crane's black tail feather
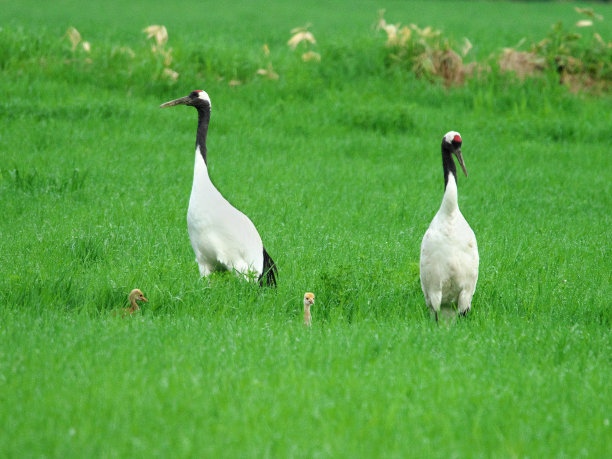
269 272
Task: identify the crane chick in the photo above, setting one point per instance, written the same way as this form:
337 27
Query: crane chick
309 300
135 296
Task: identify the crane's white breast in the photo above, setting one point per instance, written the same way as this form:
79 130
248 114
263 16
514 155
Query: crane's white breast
449 257
220 233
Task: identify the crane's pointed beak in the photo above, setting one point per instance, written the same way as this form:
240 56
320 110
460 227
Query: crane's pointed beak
181 101
460 159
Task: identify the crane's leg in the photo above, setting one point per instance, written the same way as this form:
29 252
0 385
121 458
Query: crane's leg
465 302
435 299
204 269
244 270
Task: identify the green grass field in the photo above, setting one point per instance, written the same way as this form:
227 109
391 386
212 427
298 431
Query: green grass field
338 164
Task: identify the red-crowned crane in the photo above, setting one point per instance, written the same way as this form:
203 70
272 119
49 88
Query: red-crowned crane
449 253
222 237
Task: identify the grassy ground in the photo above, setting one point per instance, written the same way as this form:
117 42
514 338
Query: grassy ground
338 165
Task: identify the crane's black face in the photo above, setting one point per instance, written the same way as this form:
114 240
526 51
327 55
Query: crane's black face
196 98
452 144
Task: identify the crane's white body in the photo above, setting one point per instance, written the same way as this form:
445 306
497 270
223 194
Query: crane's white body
222 237
449 256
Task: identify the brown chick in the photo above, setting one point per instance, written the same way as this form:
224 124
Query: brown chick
134 296
309 300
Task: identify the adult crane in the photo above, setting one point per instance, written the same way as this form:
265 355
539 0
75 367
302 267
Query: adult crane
222 237
449 253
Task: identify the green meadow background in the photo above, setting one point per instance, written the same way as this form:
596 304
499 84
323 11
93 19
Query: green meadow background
338 164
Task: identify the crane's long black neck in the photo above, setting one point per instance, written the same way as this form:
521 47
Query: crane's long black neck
448 164
203 121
